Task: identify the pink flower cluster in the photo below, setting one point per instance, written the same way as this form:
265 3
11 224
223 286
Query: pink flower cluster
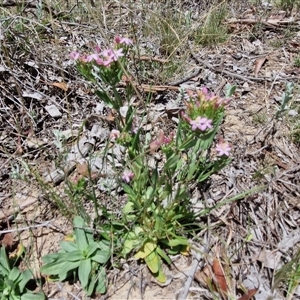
200 123
120 40
203 96
105 57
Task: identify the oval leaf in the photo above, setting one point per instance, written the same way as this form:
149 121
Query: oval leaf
153 262
84 271
146 249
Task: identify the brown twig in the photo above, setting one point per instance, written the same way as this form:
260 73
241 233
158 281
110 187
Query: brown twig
160 60
270 23
186 78
223 71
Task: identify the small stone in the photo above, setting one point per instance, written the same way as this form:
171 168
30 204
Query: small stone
53 111
292 113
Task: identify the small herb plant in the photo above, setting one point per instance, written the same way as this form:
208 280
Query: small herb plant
158 213
80 258
158 206
13 282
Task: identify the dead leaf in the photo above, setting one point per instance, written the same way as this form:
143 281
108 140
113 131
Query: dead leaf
249 294
82 169
84 172
7 240
259 63
220 277
61 85
109 118
270 259
203 276
34 143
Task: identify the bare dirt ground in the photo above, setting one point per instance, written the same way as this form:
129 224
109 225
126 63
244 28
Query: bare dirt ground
254 236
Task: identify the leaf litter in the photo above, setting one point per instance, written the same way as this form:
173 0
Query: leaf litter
261 231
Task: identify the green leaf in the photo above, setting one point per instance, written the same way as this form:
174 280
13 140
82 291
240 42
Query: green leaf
91 285
160 276
128 208
149 192
171 163
53 268
68 246
33 296
81 240
84 271
178 241
101 256
187 144
128 247
154 177
14 274
92 249
191 171
59 267
163 254
26 276
51 257
74 256
3 259
146 249
174 250
159 223
104 245
101 286
63 275
105 98
153 262
229 90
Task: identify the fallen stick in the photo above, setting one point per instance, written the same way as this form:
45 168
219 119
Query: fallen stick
223 71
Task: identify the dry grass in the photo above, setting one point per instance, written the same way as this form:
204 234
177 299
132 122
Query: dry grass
35 42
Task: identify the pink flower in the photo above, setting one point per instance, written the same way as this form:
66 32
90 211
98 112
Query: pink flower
100 61
97 49
204 90
74 55
83 58
222 101
114 134
201 123
104 63
120 40
185 117
223 148
92 57
117 53
107 53
127 176
161 140
112 55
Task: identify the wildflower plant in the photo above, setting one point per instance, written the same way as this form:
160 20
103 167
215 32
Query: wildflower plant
158 208
158 213
80 257
13 282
